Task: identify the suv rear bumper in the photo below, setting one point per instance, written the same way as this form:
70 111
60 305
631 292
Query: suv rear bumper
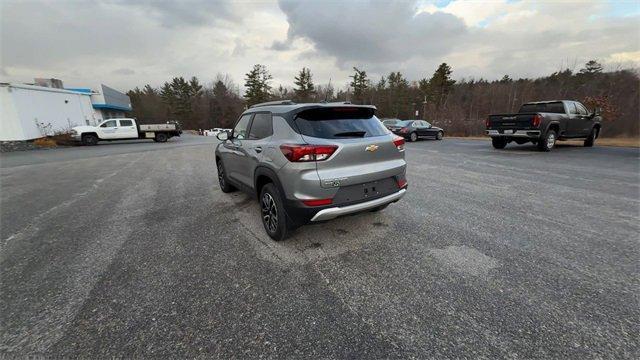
334 212
515 133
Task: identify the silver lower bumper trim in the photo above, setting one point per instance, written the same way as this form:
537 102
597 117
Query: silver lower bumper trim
334 212
517 133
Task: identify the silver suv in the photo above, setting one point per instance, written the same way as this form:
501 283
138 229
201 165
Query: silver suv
311 162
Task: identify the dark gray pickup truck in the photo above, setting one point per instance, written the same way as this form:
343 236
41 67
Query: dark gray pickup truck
543 123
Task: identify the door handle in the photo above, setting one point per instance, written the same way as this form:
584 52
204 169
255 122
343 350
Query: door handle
258 149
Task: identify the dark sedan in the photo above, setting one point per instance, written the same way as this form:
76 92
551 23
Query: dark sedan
414 129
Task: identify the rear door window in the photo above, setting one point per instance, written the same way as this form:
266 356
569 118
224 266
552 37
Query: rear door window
340 123
261 127
126 123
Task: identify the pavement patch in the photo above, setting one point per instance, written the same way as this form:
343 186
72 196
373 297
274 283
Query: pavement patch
465 260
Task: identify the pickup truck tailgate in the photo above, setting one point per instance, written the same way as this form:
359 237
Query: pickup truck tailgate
510 121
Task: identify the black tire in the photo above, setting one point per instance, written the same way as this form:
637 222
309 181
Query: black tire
89 140
272 213
548 141
498 142
440 135
589 141
413 137
161 137
222 179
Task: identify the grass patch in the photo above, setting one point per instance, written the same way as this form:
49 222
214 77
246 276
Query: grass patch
45 142
620 142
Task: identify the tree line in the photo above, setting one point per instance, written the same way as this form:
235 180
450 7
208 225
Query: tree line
458 106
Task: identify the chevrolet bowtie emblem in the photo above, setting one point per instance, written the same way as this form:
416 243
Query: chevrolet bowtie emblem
372 148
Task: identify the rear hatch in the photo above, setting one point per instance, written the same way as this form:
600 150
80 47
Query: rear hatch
366 152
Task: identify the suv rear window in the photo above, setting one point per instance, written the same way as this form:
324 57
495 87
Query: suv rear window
340 123
552 107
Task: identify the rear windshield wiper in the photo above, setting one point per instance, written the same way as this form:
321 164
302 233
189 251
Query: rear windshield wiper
351 134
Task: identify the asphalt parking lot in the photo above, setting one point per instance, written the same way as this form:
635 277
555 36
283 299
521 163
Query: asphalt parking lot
131 250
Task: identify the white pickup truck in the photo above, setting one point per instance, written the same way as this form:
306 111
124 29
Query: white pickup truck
124 129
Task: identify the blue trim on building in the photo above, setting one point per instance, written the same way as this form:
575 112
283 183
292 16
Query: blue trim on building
80 90
111 107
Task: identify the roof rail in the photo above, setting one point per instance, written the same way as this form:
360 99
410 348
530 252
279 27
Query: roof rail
273 103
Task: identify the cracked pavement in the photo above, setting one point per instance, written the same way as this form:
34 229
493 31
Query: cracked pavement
131 250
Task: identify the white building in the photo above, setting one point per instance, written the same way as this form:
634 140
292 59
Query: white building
30 111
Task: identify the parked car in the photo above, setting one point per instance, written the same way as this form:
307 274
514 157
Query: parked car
415 129
543 123
311 162
124 129
390 122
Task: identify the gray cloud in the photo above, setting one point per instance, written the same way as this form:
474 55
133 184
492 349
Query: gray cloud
123 71
38 33
281 45
389 36
372 32
131 43
240 48
173 13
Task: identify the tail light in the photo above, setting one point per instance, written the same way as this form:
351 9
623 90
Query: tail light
404 130
536 121
402 183
398 141
487 122
317 202
302 153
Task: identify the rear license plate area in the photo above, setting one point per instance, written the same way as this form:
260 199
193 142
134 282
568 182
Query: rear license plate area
365 191
370 189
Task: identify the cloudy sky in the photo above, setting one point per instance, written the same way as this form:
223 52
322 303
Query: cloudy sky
131 43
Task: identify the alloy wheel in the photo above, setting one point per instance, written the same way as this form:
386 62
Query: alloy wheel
221 175
269 213
551 140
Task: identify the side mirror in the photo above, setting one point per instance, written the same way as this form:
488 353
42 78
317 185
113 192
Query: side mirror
223 135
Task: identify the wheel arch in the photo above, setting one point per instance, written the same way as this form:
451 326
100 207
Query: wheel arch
90 133
264 175
554 125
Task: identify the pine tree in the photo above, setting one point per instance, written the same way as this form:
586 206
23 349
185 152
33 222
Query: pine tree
304 86
591 67
181 98
441 84
398 95
360 84
505 79
425 90
257 85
